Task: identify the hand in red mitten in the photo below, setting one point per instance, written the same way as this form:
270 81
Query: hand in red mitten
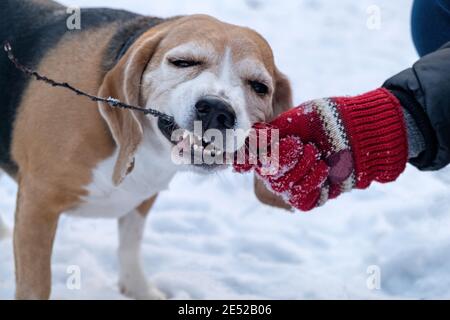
297 174
340 144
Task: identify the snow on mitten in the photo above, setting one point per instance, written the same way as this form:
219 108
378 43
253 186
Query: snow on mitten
300 173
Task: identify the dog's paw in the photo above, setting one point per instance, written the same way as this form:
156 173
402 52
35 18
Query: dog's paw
140 290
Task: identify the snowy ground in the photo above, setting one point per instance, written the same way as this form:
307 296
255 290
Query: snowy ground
210 238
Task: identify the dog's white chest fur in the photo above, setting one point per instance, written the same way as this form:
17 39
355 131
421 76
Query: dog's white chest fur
151 175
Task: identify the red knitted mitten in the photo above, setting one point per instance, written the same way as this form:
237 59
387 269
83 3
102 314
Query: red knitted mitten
339 144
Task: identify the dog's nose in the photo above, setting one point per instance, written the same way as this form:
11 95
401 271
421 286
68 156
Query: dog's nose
215 114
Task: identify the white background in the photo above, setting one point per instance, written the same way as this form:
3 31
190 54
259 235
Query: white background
208 237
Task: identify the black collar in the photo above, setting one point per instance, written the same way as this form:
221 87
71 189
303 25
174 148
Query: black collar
137 33
125 37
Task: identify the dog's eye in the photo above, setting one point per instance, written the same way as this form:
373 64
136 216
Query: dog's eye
181 63
260 88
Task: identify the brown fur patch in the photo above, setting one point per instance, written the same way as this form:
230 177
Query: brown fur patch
58 137
145 206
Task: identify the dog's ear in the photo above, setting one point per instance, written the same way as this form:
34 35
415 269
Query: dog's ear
282 101
268 197
282 98
123 82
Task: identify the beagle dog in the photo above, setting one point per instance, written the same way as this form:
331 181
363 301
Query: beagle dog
71 155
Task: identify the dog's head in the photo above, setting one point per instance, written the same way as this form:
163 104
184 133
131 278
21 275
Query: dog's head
194 68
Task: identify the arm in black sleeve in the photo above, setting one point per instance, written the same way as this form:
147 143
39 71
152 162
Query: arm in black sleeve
424 92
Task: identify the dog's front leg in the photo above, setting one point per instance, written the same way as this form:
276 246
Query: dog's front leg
133 282
34 232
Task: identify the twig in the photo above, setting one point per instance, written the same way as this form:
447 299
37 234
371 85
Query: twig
110 101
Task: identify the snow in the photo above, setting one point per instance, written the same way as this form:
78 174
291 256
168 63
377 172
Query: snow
208 237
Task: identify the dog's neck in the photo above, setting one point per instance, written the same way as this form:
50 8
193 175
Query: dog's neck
126 36
153 164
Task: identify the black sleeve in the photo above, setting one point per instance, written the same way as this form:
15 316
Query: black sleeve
424 91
